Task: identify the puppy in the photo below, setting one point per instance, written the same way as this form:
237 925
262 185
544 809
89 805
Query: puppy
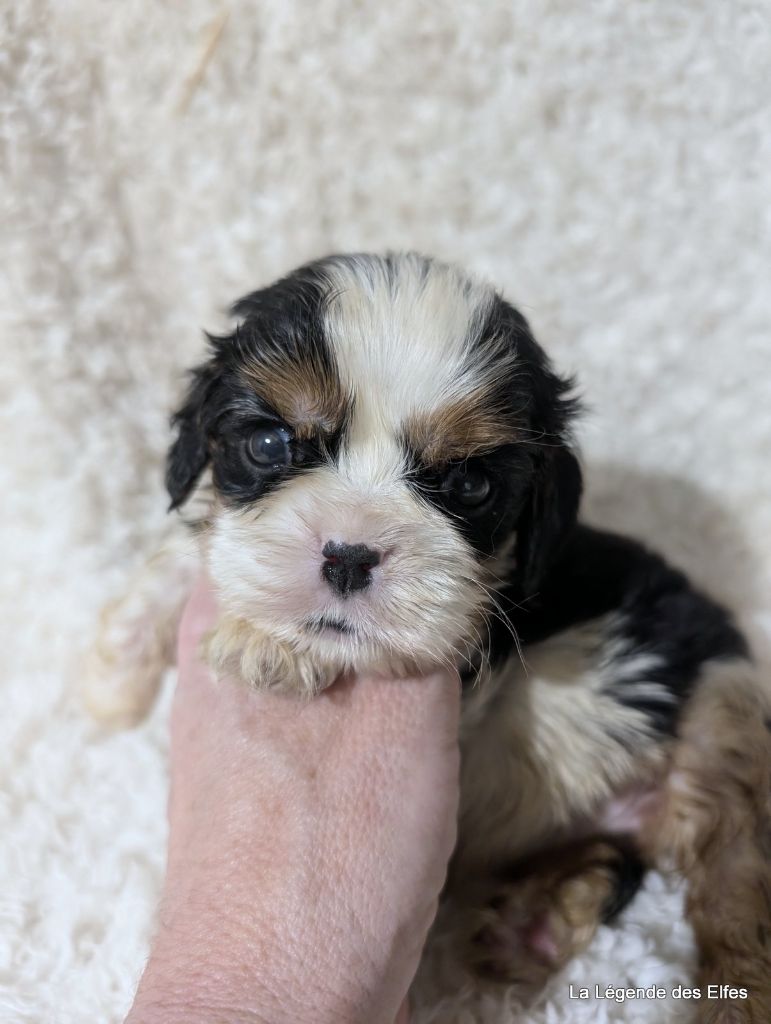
379 470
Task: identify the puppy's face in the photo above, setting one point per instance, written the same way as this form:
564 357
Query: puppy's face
386 442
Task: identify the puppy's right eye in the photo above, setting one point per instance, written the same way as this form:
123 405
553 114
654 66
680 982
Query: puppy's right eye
268 447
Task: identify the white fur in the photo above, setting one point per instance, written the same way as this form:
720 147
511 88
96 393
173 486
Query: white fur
544 747
405 347
266 563
402 340
608 170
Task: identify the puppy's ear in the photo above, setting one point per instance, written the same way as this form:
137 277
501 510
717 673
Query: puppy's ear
551 507
189 453
549 514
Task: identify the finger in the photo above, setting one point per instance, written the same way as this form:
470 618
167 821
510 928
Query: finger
194 690
407 710
403 1016
197 618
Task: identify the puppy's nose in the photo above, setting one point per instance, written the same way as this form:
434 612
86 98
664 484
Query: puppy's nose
347 566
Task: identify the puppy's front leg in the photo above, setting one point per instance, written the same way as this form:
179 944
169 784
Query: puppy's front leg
136 637
241 648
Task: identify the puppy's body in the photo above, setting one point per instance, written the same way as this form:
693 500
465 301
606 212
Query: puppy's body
610 650
378 462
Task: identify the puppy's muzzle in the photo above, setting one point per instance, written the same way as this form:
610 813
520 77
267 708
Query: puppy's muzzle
348 567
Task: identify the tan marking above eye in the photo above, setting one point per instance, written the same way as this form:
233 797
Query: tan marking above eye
306 395
459 429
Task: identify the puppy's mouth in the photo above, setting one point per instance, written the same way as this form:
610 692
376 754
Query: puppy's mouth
320 624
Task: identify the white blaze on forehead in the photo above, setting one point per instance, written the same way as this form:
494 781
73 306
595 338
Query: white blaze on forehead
403 340
370 458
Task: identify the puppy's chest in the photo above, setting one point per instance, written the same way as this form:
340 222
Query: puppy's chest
546 743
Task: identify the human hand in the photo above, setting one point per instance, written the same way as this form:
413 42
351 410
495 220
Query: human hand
308 846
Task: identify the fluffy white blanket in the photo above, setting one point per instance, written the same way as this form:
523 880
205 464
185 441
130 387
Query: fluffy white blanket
606 163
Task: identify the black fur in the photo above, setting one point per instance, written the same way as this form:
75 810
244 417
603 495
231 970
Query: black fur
628 875
509 470
281 323
656 609
189 453
547 405
659 630
614 855
564 573
537 481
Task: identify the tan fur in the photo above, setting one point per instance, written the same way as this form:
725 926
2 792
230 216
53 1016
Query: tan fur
238 647
243 651
136 636
530 925
404 343
303 392
539 768
710 818
716 827
550 755
459 429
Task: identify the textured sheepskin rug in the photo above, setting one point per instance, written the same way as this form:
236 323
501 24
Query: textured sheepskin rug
606 164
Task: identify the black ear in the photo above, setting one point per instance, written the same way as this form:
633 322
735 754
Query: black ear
551 507
549 514
189 453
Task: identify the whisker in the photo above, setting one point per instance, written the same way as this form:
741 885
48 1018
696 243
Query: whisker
498 612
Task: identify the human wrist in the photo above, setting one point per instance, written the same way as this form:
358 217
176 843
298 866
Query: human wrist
178 991
215 969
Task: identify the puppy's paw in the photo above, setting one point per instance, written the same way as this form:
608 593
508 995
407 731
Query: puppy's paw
121 674
533 924
517 940
136 636
266 662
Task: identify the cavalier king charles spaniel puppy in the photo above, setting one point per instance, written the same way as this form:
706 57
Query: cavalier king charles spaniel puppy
378 468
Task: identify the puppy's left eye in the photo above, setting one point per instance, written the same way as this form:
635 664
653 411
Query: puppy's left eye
269 448
467 487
